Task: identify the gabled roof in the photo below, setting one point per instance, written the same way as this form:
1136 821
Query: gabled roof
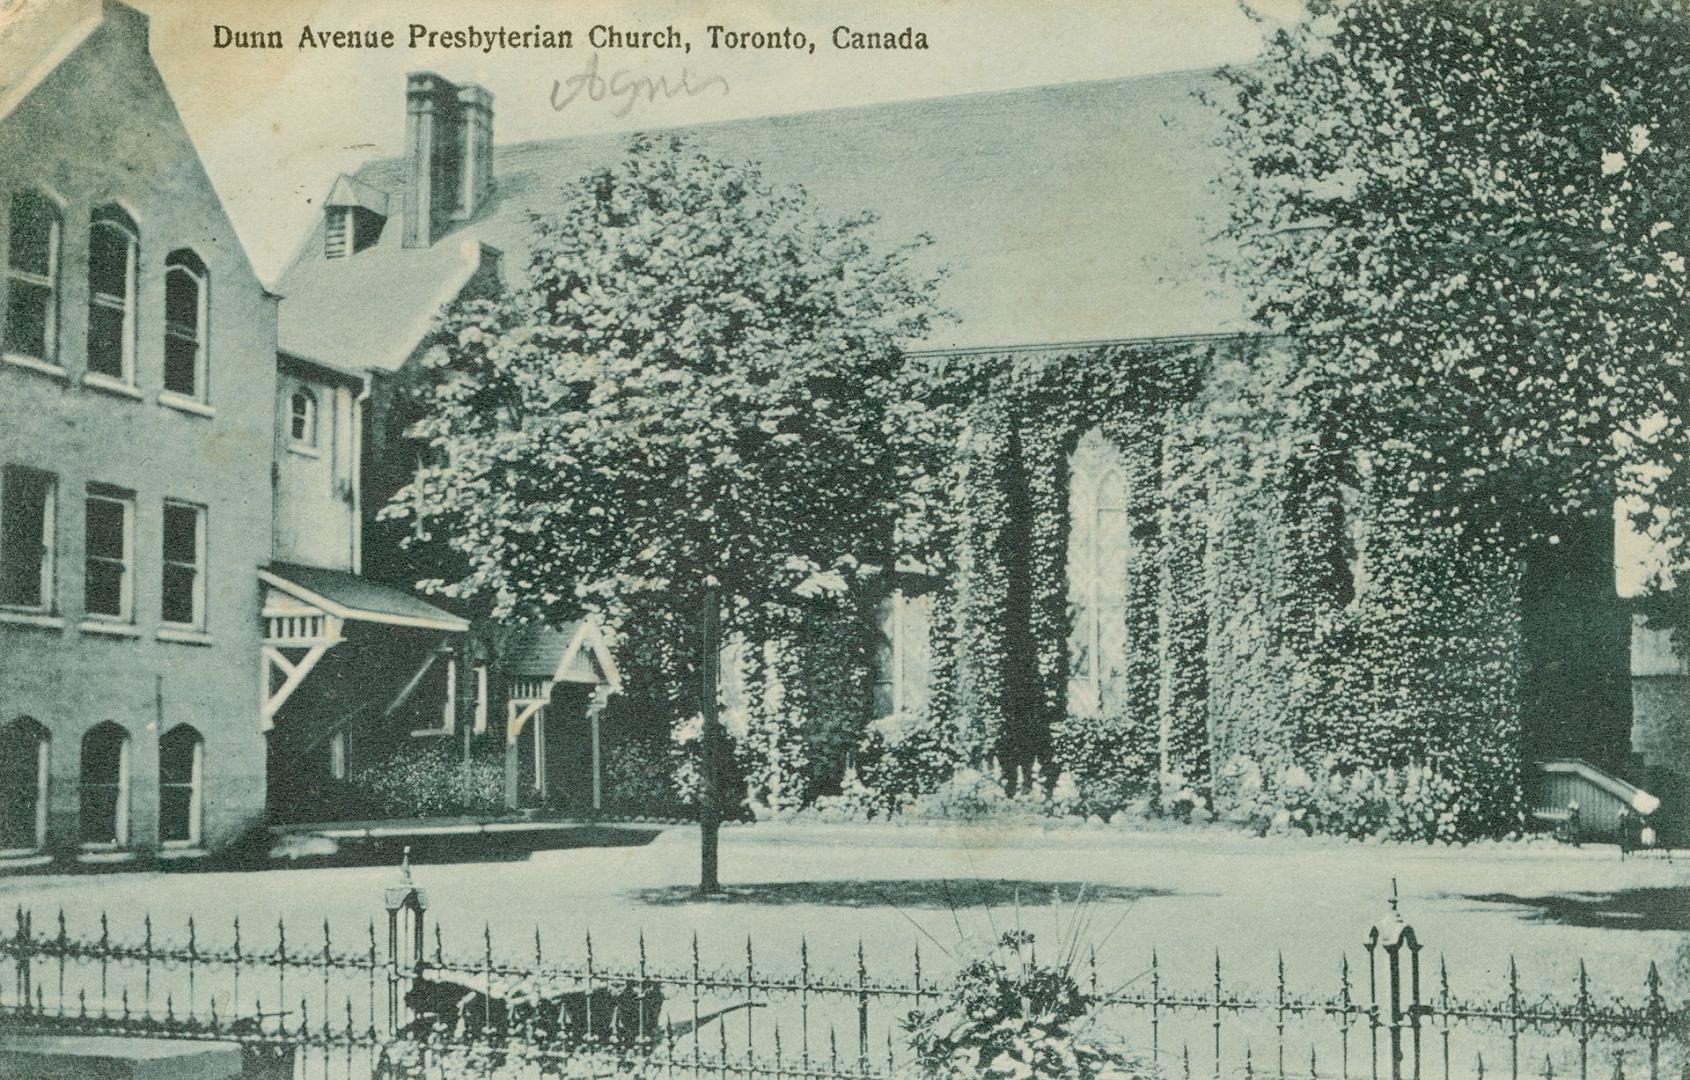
575 652
1064 213
350 191
348 596
36 36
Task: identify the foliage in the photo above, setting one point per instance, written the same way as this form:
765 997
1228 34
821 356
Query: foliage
1412 803
639 778
425 780
698 381
1008 1014
1465 218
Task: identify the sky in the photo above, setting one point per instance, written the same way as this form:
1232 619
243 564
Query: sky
275 126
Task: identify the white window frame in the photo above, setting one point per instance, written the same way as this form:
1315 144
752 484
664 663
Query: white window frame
199 513
196 798
124 304
121 824
50 282
308 442
199 333
43 751
125 499
338 222
49 538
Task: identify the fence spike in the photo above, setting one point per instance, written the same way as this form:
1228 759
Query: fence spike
82 1004
1479 1065
1314 1070
169 1008
539 953
281 939
63 937
1548 1068
238 934
439 950
193 940
147 936
1185 1060
1249 1064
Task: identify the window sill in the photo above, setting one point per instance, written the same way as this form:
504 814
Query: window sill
433 732
304 450
32 363
107 384
40 619
183 635
104 853
114 629
23 859
185 404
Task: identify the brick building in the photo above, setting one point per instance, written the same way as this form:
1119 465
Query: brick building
137 387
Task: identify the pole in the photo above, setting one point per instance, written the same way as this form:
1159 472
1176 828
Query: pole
710 806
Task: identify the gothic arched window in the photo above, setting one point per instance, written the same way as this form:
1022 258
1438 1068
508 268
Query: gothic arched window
1098 544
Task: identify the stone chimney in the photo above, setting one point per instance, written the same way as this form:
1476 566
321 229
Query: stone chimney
449 155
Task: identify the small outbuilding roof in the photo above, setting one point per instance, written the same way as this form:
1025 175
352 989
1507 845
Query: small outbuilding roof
574 652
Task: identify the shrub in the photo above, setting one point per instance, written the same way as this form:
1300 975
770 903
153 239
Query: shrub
424 781
969 795
1414 802
639 778
1009 1015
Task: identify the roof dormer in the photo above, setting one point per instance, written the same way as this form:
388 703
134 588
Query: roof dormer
353 216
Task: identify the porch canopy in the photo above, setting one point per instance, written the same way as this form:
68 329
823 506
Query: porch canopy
535 659
306 609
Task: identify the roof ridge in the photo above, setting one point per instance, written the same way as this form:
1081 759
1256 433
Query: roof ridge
830 110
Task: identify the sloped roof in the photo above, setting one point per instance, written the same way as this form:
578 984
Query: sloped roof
1064 213
537 651
35 35
358 597
351 191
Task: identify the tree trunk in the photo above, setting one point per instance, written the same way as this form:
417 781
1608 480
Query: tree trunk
710 805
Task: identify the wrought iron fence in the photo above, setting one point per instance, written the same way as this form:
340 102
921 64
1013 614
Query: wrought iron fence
318 1009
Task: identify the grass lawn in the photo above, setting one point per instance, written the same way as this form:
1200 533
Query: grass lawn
1186 895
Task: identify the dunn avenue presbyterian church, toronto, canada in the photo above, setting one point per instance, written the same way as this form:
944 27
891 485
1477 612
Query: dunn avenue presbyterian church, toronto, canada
206 630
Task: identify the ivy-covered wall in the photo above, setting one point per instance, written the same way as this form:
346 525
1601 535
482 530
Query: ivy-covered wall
1280 610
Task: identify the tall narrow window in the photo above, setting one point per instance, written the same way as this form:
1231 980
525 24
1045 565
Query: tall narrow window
181 771
23 785
182 589
302 420
337 755
109 541
26 539
1098 545
113 252
903 659
32 278
185 368
104 819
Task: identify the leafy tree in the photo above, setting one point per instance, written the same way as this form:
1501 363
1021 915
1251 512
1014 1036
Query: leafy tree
696 398
1466 218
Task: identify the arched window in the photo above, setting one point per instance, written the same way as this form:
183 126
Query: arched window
23 786
302 420
113 253
32 278
181 770
185 320
1098 545
105 787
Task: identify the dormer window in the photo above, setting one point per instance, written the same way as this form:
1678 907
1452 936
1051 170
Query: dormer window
302 421
337 233
353 217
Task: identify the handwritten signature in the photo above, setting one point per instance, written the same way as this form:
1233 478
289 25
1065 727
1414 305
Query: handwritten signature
627 89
